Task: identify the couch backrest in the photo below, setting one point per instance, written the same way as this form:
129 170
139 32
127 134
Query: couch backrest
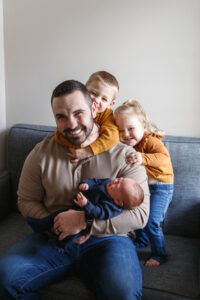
21 140
183 216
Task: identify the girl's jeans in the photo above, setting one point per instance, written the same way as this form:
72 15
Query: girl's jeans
108 265
160 198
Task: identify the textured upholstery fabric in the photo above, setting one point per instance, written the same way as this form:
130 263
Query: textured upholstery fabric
5 199
179 278
21 140
183 216
180 274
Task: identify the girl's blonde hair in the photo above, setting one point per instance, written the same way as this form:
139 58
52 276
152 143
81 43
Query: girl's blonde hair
133 106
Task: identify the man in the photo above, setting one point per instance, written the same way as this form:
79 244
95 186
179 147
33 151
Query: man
49 182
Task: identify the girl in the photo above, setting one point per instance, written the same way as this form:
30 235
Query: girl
136 130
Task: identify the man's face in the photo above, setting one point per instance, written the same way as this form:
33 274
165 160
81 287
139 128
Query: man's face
74 117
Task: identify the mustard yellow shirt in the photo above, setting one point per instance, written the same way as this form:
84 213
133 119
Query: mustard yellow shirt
156 158
109 135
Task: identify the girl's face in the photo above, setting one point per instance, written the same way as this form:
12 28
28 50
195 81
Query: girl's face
131 129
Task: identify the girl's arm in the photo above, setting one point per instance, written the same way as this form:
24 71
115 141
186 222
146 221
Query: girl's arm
156 153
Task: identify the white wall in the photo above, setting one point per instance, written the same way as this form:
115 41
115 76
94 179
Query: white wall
2 96
152 46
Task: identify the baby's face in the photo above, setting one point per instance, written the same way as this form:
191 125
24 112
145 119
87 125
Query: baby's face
103 95
119 188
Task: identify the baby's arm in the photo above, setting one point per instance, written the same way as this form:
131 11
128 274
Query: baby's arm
90 183
102 211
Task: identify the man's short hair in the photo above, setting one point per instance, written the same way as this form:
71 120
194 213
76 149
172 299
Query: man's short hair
70 86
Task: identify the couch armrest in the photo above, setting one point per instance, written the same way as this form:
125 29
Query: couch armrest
5 194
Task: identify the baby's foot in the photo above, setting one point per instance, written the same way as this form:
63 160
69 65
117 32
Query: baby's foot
152 263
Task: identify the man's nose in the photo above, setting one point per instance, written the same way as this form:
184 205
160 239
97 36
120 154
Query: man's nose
72 122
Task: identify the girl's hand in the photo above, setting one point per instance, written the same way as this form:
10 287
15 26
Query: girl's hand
83 186
81 200
134 158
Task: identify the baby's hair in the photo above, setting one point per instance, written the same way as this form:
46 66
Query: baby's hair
104 77
135 198
134 107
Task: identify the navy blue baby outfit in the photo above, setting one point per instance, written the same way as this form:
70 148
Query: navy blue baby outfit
99 206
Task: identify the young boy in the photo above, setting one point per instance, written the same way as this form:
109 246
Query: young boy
103 88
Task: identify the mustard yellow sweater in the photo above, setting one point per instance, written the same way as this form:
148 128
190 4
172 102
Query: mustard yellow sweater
156 158
109 135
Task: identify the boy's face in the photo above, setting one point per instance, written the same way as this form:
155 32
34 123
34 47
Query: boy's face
103 95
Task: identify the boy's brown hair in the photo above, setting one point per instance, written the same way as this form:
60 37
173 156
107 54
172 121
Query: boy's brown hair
104 77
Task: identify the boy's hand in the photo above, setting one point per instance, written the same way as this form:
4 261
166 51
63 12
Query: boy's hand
83 186
78 154
81 200
134 158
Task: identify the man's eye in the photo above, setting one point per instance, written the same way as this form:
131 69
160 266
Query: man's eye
93 93
131 128
78 113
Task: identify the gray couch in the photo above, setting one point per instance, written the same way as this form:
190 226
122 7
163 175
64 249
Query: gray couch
177 279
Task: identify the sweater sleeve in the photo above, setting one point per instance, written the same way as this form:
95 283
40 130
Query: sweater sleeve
155 153
29 203
92 182
109 132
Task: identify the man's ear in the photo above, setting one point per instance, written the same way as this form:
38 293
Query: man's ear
94 109
112 103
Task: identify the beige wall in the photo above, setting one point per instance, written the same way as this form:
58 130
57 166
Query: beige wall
152 46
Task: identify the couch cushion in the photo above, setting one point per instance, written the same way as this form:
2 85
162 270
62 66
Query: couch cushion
180 275
183 216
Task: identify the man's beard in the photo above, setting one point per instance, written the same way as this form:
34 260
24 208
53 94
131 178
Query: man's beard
79 139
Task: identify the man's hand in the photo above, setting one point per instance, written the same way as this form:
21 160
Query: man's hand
69 222
81 200
78 154
134 158
83 186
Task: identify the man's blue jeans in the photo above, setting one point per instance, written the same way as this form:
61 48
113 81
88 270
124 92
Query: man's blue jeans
160 198
110 265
